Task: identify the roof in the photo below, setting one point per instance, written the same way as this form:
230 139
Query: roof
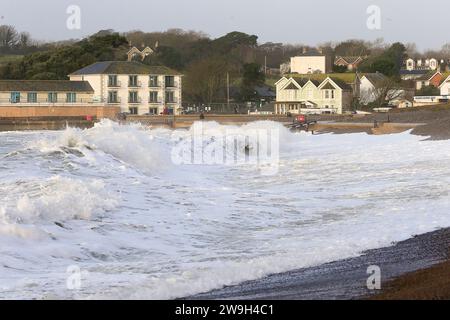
347 77
349 59
302 81
413 72
342 84
45 85
375 78
265 91
124 67
310 54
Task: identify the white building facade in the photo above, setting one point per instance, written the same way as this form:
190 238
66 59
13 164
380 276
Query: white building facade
310 62
305 96
445 87
135 87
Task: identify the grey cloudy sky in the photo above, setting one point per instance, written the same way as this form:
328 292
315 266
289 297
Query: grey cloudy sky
290 21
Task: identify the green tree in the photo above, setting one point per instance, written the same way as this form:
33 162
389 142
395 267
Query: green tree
428 91
252 77
206 80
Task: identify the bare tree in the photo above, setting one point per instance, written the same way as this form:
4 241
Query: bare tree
206 80
386 91
8 37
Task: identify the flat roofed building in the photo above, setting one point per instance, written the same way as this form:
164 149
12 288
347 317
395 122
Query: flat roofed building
311 62
45 92
136 87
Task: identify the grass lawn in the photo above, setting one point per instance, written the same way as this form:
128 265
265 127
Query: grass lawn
5 58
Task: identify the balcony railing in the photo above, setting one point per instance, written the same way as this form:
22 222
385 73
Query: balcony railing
155 85
174 100
113 100
156 101
116 84
134 84
134 101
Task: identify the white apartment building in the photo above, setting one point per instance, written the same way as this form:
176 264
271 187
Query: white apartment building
135 87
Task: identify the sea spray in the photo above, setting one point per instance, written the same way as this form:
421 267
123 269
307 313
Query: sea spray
109 201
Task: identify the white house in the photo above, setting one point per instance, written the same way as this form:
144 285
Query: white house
421 64
307 96
368 88
311 62
445 87
135 87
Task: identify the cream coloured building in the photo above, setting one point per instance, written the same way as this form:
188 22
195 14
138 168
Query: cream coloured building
45 93
309 96
135 87
311 62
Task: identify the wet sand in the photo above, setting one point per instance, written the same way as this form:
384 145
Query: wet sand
346 279
434 121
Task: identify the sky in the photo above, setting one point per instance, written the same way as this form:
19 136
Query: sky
308 22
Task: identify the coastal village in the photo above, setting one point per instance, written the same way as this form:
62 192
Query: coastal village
151 162
313 81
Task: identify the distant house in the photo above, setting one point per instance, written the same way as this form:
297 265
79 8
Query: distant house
412 74
430 79
401 103
445 87
265 93
414 69
285 68
302 95
351 63
134 53
311 62
136 87
369 84
373 85
421 64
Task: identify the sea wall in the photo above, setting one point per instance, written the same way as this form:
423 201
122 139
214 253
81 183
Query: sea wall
30 112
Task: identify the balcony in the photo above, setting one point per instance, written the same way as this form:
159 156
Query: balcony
115 84
155 85
172 101
113 100
154 101
134 100
136 84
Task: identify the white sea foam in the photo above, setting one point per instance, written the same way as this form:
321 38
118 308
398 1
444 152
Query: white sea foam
110 201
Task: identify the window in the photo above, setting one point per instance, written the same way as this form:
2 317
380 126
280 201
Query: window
15 97
133 97
153 111
133 110
153 81
52 97
32 97
112 81
170 97
71 97
112 97
133 81
327 94
170 81
332 94
153 96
